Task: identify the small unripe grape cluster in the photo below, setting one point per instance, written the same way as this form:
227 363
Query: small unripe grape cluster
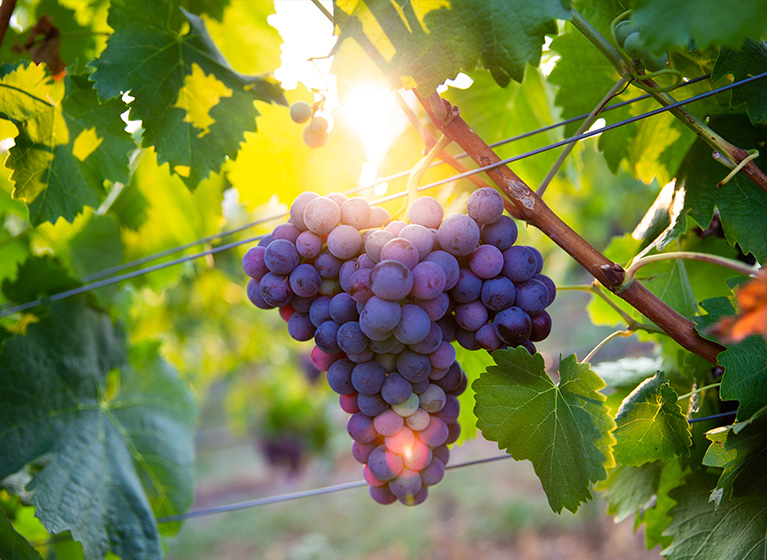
383 300
316 132
632 42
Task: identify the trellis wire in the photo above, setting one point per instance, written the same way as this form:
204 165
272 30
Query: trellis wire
379 181
576 138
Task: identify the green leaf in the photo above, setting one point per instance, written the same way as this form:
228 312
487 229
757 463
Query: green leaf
700 529
68 143
742 205
741 450
38 277
627 372
749 60
563 429
12 545
745 363
665 25
473 364
630 489
650 425
195 108
416 41
114 432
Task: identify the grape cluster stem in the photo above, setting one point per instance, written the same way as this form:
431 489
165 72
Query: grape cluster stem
534 210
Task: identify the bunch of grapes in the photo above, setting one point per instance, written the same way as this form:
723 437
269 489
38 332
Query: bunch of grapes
383 300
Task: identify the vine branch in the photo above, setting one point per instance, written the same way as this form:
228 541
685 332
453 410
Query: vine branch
729 154
534 210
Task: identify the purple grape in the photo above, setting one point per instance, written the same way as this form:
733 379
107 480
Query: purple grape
300 327
351 339
356 212
471 316
448 327
254 295
265 240
442 453
519 263
375 242
501 234
383 346
275 289
485 205
401 441
433 398
344 242
338 198
413 367
308 244
364 261
302 304
434 471
487 338
453 432
361 357
382 495
436 307
443 356
378 216
420 237
428 280
396 389
281 256
286 231
371 405
406 485
435 433
368 378
383 464
326 337
345 273
361 428
298 207
458 235
450 411
359 285
421 386
321 215
418 498
343 308
388 423
449 265
402 250
327 265
413 326
498 293
391 280
431 342
373 334
361 451
549 283
253 262
340 376
395 227
513 326
468 288
418 456
425 211
452 380
486 261
305 281
381 314
319 312
538 259
541 327
467 339
532 296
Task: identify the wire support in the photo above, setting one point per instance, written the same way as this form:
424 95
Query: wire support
559 144
379 181
298 495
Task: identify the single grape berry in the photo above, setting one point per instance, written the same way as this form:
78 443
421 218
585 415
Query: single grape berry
315 137
300 112
653 62
623 30
634 46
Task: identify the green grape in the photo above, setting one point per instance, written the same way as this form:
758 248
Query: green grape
623 30
634 46
300 112
653 62
315 137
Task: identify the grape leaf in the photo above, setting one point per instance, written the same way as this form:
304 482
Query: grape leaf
629 489
666 25
564 429
745 363
650 424
423 43
114 430
12 545
38 277
68 144
742 205
749 60
741 450
195 108
700 529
